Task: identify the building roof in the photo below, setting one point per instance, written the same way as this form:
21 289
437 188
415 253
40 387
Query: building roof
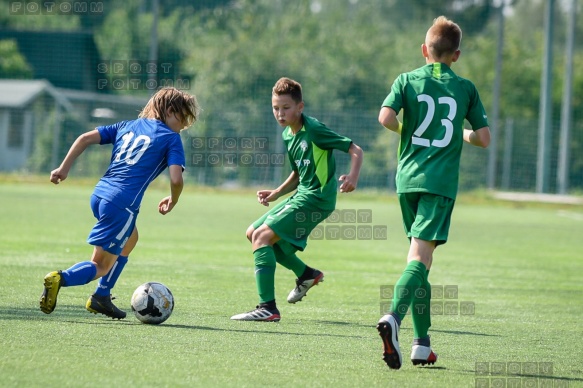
19 93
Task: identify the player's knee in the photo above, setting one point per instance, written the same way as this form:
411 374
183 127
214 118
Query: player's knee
249 233
262 235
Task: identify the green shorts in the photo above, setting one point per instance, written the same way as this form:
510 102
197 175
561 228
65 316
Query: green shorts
293 220
426 216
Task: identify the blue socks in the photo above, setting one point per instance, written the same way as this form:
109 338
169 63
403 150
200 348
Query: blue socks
79 274
107 282
85 271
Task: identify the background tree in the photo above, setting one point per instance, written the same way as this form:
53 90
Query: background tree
12 63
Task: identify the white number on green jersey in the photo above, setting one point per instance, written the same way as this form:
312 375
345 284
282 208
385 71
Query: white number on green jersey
446 122
130 156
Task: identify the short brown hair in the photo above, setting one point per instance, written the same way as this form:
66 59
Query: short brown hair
184 104
443 37
288 86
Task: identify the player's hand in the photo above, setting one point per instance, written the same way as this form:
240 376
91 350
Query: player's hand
348 183
166 205
266 196
58 175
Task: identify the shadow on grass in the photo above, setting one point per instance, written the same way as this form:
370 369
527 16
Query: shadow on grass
432 367
344 323
454 332
259 331
30 313
63 313
543 380
78 315
457 332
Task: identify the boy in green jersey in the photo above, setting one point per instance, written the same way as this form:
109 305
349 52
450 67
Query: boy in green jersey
435 103
283 230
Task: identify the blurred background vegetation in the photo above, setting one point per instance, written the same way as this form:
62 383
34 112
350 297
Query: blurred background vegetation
346 54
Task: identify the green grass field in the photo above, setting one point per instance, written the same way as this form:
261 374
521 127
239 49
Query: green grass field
518 266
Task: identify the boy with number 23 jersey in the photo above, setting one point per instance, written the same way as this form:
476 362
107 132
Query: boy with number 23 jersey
429 155
435 103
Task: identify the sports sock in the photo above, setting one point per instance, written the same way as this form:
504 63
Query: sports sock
421 310
308 273
79 274
269 305
425 341
107 282
265 273
412 278
291 262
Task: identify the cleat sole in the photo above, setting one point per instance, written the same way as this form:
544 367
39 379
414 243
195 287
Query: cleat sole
390 355
52 285
97 312
429 361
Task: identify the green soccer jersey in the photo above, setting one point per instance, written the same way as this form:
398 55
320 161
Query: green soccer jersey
435 103
311 157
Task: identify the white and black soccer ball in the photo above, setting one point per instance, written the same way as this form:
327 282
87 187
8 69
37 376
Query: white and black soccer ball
152 303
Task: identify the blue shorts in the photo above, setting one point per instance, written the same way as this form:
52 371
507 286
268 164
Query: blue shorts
114 225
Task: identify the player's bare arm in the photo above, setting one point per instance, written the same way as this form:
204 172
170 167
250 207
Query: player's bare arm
479 137
350 181
81 143
176 185
388 119
289 185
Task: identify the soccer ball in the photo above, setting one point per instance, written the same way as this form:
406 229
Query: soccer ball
152 303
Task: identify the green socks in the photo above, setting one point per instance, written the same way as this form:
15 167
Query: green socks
291 262
413 278
265 261
265 273
421 310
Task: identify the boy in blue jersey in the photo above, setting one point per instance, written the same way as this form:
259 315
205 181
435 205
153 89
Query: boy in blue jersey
142 149
435 103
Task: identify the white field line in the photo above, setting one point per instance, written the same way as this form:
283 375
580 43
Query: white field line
572 215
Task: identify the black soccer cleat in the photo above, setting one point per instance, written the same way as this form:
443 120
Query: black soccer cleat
97 304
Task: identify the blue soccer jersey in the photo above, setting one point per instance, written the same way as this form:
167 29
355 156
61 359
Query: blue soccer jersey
142 149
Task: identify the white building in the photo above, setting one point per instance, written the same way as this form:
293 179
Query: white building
34 114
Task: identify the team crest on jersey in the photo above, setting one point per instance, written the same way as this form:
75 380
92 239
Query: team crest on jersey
304 145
